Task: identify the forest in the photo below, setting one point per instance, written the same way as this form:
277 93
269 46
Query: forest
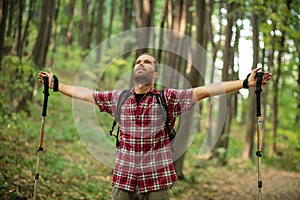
94 43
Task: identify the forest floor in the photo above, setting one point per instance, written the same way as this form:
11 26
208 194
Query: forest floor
204 181
68 171
241 184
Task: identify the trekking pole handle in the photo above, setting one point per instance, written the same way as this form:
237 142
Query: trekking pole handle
46 94
258 90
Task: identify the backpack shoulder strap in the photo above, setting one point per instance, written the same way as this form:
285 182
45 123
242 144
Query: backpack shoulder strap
123 96
162 101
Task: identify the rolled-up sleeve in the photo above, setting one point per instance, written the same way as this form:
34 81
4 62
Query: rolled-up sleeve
107 100
178 101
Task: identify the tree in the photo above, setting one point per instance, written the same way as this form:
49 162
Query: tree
222 144
277 75
18 29
215 47
195 79
111 18
269 54
40 49
54 30
25 33
41 46
70 16
84 34
162 26
177 20
99 36
144 17
3 16
247 153
126 12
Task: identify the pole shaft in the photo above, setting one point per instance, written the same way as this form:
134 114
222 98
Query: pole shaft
258 90
259 183
40 149
42 132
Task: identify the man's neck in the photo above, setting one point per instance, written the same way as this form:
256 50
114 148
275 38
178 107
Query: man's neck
143 88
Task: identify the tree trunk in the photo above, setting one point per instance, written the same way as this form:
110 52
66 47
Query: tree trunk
235 74
10 26
99 36
84 25
177 22
275 94
70 15
297 119
40 49
222 144
162 26
271 64
111 19
248 148
276 80
143 19
264 101
215 48
193 77
42 42
126 12
54 31
3 16
18 29
127 8
25 33
91 25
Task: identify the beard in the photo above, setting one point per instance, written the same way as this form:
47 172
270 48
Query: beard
143 79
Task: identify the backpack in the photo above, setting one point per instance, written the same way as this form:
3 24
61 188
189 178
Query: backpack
160 100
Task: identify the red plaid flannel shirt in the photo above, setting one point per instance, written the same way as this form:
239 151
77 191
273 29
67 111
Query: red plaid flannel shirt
144 157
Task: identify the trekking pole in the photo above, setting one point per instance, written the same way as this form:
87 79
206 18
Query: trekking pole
40 149
258 114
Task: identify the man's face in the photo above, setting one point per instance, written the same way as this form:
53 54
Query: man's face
144 69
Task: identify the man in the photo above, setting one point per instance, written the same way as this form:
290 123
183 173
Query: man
144 167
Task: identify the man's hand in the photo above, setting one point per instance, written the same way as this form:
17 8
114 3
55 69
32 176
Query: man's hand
49 74
252 78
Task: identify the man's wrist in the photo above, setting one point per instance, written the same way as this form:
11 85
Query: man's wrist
245 82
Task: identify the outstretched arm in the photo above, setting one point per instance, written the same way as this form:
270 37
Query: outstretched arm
69 90
227 86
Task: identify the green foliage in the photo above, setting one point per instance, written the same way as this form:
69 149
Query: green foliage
16 83
287 156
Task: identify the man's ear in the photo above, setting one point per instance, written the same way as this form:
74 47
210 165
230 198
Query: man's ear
155 75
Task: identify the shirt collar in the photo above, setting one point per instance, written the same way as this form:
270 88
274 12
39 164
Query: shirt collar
152 91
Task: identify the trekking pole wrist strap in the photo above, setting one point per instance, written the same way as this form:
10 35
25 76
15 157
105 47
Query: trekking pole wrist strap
245 82
55 83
